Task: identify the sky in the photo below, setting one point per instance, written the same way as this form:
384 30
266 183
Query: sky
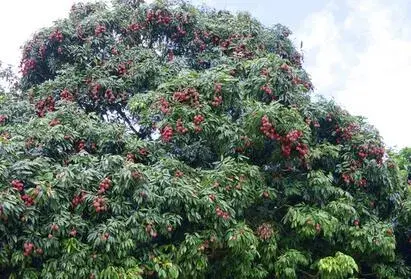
357 52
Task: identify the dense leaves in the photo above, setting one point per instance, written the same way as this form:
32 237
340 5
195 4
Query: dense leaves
166 141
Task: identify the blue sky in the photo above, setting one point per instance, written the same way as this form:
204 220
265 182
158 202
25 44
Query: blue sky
357 51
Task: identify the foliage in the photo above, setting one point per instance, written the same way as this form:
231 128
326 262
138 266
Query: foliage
167 141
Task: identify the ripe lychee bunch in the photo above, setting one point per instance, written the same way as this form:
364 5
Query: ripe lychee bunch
27 65
167 133
286 149
28 249
28 200
109 96
73 232
100 29
105 236
42 51
346 133
56 36
66 95
284 67
164 105
151 230
46 105
137 175
371 151
267 89
104 185
294 136
264 72
3 118
18 185
54 122
302 149
122 69
131 157
81 145
217 101
170 55
268 129
346 177
189 95
198 119
178 173
221 213
143 152
99 204
133 27
180 127
95 89
218 87
362 182
78 199
265 231
54 227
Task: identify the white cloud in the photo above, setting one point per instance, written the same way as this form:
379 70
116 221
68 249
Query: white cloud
321 39
19 19
375 53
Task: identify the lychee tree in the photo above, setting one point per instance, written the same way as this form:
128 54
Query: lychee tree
167 141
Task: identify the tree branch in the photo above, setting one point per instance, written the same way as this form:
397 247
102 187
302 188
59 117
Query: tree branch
124 116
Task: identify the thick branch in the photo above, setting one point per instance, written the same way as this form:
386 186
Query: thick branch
124 116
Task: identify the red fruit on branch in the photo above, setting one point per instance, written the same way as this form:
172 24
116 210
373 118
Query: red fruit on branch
268 129
217 101
131 157
109 96
73 233
18 185
81 145
100 29
66 95
180 127
28 248
266 88
265 231
104 185
28 200
167 133
286 150
179 173
121 69
164 106
54 122
56 36
170 55
318 227
294 135
198 119
54 227
27 65
217 88
285 67
189 95
143 152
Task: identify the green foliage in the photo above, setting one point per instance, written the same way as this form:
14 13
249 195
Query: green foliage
166 141
339 266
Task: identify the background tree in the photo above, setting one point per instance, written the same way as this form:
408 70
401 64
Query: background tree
167 141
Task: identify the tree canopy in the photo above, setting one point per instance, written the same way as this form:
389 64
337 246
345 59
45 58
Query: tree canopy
169 141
